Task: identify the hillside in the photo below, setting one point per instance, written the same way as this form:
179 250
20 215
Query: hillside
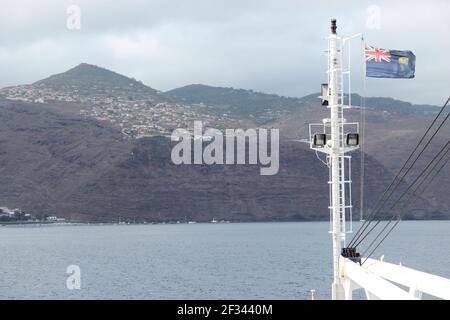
92 144
56 163
255 106
136 109
86 79
390 138
382 104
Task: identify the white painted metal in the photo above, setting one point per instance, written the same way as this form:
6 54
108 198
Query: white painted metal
375 277
417 281
334 77
338 163
379 280
374 286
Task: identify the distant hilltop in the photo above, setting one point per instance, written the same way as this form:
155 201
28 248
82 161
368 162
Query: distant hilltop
89 79
139 110
90 144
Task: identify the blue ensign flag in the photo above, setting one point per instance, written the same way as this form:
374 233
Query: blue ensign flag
381 63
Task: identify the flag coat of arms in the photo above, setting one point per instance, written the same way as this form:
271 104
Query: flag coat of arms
381 63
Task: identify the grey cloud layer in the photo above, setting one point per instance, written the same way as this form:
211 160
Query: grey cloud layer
271 46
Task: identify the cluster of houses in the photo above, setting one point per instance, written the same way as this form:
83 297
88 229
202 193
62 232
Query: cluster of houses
7 214
137 116
16 215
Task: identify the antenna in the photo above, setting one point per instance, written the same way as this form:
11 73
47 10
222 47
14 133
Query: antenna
333 26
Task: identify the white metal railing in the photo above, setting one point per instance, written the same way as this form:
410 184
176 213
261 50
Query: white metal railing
379 280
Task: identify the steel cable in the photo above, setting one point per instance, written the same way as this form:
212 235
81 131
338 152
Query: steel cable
394 184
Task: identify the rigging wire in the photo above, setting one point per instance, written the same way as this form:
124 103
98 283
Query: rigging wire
438 155
399 218
401 180
321 160
394 184
436 173
376 207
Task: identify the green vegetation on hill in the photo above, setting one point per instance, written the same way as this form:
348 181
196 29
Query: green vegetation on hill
240 103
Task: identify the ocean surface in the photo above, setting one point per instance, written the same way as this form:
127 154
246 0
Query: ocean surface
190 261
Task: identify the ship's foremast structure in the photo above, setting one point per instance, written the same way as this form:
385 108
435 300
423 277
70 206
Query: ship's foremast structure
335 137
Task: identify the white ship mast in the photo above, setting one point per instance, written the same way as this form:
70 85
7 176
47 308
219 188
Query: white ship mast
336 137
336 156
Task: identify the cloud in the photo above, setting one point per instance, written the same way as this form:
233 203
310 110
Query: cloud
272 46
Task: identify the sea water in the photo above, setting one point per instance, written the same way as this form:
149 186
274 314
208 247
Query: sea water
194 261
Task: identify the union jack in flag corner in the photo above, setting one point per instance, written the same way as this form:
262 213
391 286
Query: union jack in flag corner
381 63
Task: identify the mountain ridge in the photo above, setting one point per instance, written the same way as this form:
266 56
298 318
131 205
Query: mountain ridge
89 73
102 154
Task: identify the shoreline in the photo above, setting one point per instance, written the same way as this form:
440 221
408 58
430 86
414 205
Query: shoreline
92 223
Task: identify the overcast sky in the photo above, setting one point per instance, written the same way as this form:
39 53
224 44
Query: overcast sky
274 46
